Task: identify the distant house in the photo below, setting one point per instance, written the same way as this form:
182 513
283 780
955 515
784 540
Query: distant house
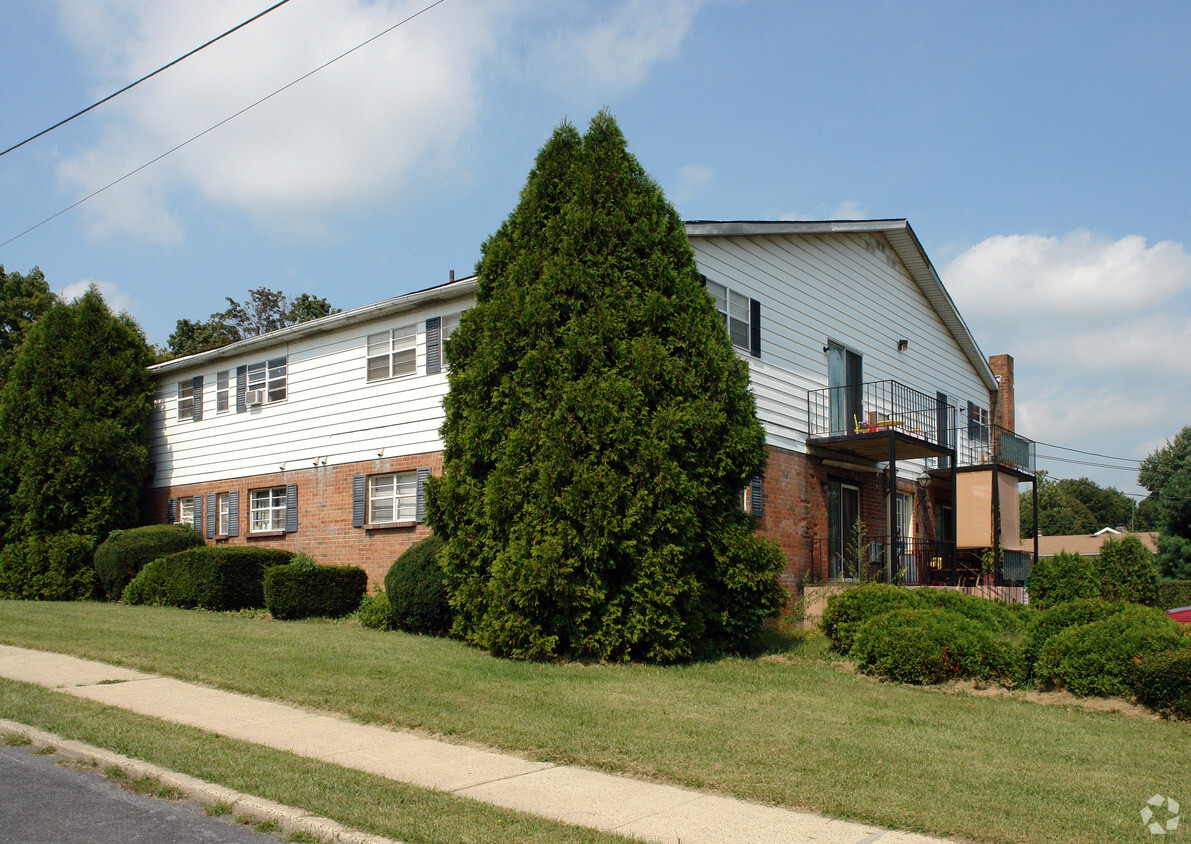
876 401
1088 545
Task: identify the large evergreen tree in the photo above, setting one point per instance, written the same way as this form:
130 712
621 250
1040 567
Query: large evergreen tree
23 299
599 429
1166 473
74 421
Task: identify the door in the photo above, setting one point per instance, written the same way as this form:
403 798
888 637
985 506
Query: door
845 378
843 509
903 542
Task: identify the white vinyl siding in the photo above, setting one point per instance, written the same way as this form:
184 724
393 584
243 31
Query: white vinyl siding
392 497
267 509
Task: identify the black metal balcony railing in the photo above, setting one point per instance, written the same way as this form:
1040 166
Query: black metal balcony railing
876 406
983 445
916 562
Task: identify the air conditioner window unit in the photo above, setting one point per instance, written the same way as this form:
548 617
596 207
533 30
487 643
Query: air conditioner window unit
252 398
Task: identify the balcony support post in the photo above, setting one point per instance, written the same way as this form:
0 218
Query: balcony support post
996 514
890 493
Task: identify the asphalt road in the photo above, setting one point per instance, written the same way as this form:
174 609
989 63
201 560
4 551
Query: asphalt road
42 802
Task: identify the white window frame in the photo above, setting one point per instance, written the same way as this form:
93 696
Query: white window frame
186 399
392 353
185 510
222 391
223 509
267 509
269 376
393 497
734 310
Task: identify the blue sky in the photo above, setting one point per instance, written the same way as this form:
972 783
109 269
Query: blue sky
1039 150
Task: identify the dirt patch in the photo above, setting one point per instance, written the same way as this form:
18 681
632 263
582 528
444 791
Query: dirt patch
1057 697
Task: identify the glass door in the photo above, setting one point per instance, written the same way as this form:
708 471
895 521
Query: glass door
845 378
843 509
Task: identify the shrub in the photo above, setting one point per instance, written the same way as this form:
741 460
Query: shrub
1163 681
1128 571
415 588
1063 577
148 587
1174 593
928 645
303 589
1101 658
992 615
49 568
1055 620
849 609
219 578
375 612
124 552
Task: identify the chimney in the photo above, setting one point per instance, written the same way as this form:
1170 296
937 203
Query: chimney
1002 399
452 276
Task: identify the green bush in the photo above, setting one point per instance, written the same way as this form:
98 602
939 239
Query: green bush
846 611
994 616
928 645
415 589
1128 571
124 552
219 578
1063 577
1058 618
1101 657
375 612
49 568
303 589
1163 682
1174 593
148 587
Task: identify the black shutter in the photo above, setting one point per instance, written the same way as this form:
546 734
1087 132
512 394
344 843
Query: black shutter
233 513
754 328
197 524
241 387
198 398
433 345
756 497
171 511
212 515
359 500
420 500
291 508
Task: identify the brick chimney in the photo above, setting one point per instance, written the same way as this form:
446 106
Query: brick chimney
1001 400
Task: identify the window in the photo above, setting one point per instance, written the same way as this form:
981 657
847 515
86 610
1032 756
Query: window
223 508
392 353
268 509
269 378
186 511
185 399
392 498
741 316
221 391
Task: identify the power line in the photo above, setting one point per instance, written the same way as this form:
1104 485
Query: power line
1090 453
221 122
1091 463
142 79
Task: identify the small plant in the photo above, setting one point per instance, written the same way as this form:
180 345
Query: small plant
17 740
374 611
266 826
855 561
218 809
45 750
301 836
990 563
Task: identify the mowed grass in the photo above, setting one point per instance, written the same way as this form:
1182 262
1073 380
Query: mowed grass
796 732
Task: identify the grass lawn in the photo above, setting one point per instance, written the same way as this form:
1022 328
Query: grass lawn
796 732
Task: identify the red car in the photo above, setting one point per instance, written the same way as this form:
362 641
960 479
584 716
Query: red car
1182 614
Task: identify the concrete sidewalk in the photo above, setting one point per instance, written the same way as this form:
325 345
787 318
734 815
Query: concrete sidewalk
572 795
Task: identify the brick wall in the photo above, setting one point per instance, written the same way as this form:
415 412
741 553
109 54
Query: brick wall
325 529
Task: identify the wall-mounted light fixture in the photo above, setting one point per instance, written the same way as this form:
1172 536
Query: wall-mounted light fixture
901 345
282 467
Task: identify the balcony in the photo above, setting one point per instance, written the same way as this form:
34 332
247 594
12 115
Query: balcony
917 562
988 445
878 420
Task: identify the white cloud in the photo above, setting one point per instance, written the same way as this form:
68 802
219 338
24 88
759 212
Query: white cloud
117 300
1099 330
848 209
691 178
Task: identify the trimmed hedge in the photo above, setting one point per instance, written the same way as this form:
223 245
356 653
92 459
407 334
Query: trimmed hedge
848 610
417 594
125 552
996 616
1055 620
1163 682
148 587
1174 593
219 578
302 589
57 567
1063 577
1101 657
929 645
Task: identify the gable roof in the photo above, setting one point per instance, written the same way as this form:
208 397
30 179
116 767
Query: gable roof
904 242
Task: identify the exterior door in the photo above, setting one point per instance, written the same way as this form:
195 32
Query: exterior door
845 378
843 508
903 525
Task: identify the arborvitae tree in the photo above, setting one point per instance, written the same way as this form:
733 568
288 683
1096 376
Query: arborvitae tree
23 299
74 424
599 429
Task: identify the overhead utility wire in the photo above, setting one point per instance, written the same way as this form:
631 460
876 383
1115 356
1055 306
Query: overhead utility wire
221 122
1132 469
142 79
1090 453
